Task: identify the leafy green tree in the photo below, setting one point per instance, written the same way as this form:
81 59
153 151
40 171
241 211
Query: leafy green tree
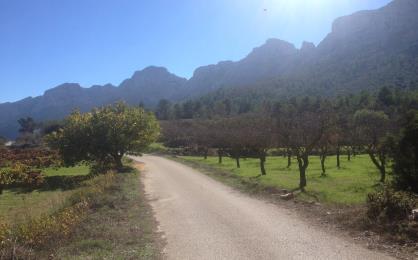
385 97
405 156
105 135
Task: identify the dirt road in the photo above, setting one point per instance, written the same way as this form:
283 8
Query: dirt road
204 219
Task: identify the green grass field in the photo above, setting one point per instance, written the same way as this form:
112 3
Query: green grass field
348 185
18 205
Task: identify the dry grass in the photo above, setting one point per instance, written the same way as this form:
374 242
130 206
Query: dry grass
120 227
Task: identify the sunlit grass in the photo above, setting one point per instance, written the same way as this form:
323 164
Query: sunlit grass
17 205
347 185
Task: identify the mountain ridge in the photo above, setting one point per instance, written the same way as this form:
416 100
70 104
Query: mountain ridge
363 51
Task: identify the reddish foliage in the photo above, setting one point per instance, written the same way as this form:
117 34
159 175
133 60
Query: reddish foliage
35 158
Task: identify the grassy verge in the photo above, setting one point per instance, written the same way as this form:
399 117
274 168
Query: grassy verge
347 185
121 225
76 216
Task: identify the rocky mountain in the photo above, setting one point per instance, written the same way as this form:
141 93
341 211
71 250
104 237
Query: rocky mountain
146 86
363 51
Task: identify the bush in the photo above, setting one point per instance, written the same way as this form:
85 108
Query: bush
20 175
387 206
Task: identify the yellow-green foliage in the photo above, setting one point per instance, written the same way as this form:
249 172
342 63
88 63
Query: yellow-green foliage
37 232
20 174
105 134
49 229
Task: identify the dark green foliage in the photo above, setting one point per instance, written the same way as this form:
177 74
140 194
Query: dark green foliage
405 167
49 127
387 205
27 125
164 110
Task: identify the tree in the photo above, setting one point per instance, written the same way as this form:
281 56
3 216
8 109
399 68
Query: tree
405 155
27 125
178 133
257 137
50 127
2 141
372 129
105 135
188 109
303 128
164 110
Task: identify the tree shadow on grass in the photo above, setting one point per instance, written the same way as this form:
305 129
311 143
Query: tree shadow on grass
52 183
126 169
63 182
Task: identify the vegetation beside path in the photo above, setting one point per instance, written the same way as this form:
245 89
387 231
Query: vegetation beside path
347 185
106 216
120 227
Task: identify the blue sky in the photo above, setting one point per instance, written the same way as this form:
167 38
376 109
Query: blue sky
44 43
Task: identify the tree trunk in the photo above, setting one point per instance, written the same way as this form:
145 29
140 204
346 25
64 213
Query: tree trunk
206 154
289 158
338 157
118 161
219 156
303 163
237 160
349 154
323 157
383 174
354 151
262 166
381 166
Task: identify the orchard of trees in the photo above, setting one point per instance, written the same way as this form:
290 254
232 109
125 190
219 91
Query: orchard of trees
383 125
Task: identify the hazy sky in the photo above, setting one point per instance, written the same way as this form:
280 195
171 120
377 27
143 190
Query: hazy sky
44 43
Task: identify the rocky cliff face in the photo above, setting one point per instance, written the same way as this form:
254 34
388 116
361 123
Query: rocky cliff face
364 51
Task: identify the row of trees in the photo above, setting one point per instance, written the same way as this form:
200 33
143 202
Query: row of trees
299 129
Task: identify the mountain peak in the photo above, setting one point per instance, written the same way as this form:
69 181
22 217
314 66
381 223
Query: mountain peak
402 4
63 88
151 70
273 48
277 45
307 46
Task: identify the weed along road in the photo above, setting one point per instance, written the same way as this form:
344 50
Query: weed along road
204 219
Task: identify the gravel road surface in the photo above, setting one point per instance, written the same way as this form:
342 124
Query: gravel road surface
204 219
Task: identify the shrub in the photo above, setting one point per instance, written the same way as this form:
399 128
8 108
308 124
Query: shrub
20 175
387 206
405 155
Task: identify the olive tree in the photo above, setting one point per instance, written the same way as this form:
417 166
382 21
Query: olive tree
257 137
105 134
302 130
372 129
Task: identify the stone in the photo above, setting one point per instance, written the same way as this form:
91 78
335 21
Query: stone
287 196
